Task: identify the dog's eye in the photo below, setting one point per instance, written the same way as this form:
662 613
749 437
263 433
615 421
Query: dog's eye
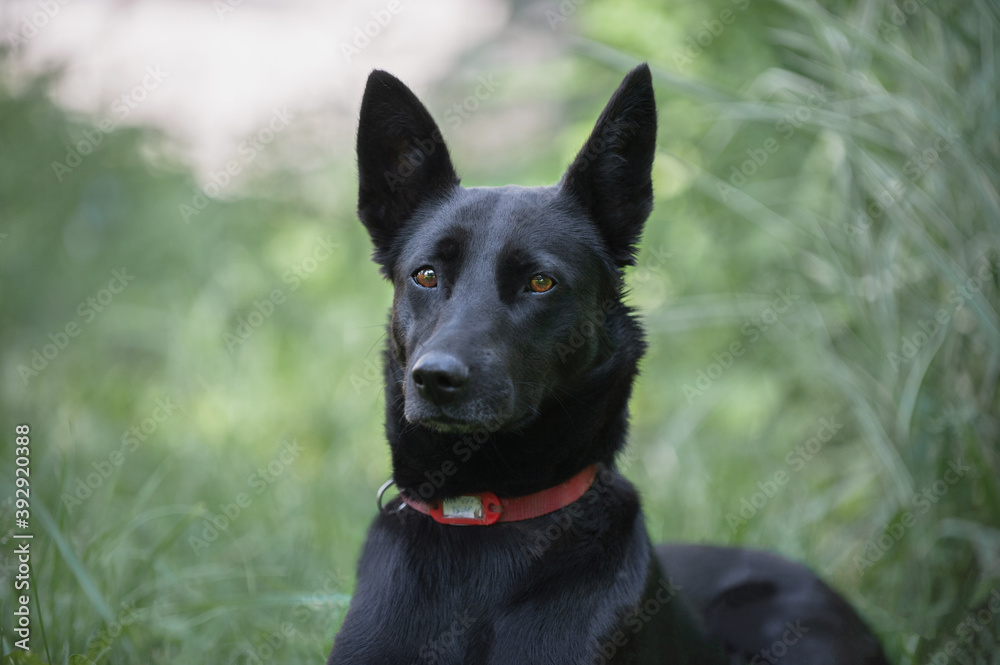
426 277
541 283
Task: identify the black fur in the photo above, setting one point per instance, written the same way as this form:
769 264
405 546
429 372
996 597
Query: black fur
491 386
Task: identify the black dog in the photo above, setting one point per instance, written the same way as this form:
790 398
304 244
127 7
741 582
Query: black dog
508 370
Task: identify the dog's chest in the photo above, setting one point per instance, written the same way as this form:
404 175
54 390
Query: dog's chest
440 598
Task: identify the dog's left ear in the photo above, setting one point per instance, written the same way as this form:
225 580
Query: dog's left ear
402 159
611 176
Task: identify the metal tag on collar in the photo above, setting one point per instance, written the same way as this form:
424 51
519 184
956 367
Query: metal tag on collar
469 509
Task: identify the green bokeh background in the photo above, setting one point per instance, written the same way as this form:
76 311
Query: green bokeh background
867 135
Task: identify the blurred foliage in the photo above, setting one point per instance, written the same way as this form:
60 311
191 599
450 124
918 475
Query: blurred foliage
826 188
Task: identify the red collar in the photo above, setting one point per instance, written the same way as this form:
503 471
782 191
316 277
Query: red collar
486 508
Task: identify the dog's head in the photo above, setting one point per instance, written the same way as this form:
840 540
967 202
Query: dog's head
505 298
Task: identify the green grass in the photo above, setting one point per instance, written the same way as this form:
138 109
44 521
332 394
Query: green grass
208 555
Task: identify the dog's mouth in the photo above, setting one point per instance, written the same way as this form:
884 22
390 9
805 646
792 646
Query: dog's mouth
440 420
447 425
488 424
468 417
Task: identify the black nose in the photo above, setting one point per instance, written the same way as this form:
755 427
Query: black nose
439 377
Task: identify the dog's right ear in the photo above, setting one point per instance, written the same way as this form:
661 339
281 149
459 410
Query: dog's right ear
402 159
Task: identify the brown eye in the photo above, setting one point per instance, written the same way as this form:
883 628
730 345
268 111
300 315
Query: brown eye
426 277
541 283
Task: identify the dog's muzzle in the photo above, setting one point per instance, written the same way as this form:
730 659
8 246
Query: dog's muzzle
447 394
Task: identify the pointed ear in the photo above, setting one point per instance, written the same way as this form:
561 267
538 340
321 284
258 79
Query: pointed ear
402 159
611 176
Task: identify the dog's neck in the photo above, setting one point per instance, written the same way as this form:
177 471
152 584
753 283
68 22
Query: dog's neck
549 449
